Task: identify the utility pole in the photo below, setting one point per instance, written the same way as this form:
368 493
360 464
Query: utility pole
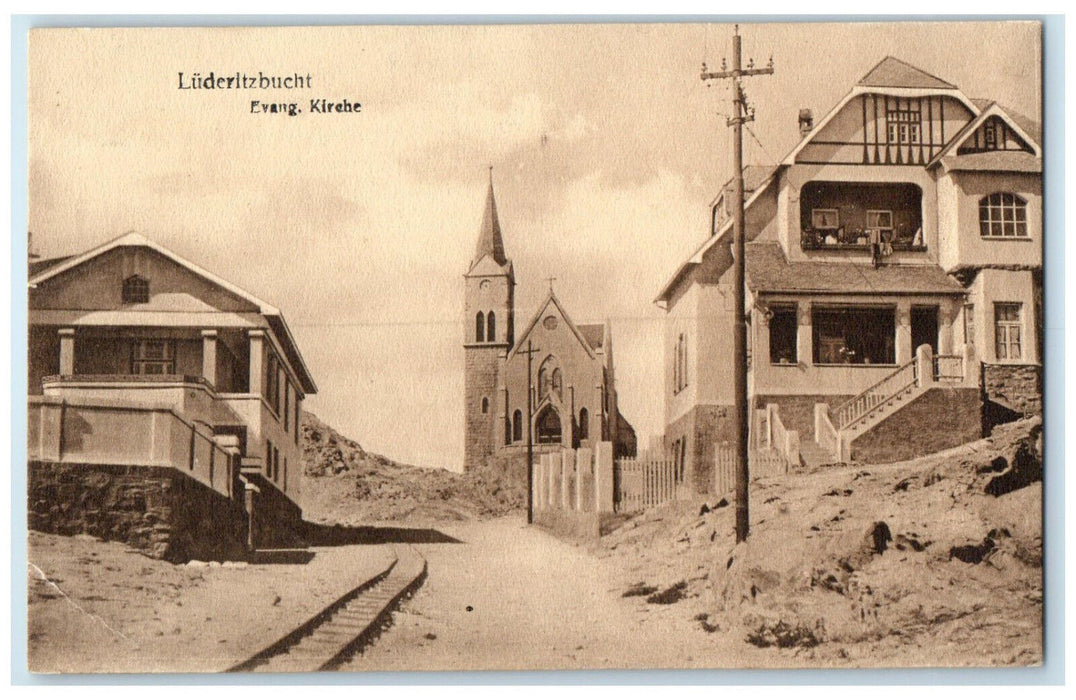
741 113
529 352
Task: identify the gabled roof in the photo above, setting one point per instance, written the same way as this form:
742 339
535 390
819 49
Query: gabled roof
39 266
594 333
892 72
753 178
271 313
989 109
887 76
722 236
490 241
552 299
768 270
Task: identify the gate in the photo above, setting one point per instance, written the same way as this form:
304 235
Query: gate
643 483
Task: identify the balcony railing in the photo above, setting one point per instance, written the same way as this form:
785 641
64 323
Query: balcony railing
126 379
840 239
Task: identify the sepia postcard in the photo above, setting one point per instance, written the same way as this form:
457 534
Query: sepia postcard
535 347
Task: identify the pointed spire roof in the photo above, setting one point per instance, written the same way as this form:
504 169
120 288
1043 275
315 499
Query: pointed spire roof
895 73
490 241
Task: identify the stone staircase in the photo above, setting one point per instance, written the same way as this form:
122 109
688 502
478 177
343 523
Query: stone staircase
813 455
902 387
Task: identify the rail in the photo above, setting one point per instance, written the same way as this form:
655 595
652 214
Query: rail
949 369
855 408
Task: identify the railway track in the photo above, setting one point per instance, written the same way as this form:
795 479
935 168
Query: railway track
347 626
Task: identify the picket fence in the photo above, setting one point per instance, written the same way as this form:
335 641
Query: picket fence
643 483
761 463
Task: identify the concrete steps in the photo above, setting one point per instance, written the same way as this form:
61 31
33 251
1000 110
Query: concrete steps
813 455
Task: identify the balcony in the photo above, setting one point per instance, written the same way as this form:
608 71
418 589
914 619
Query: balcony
189 396
879 218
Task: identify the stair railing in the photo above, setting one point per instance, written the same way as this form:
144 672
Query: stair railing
949 369
892 385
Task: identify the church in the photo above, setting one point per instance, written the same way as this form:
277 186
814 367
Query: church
567 369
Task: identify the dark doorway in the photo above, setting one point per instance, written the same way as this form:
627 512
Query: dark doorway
548 425
925 327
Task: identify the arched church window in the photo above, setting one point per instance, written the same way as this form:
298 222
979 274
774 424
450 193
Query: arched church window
549 378
479 327
517 426
485 405
584 423
135 290
491 327
548 425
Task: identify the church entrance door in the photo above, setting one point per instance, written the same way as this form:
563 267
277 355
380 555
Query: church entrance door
548 425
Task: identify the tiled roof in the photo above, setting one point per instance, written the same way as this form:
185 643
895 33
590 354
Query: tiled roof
753 177
768 270
895 73
594 333
1007 161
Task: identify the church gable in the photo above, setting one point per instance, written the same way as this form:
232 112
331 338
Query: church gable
134 277
553 326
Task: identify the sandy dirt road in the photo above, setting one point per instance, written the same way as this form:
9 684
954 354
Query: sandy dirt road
98 607
509 597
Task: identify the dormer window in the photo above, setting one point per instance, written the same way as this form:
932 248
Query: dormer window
1003 215
135 290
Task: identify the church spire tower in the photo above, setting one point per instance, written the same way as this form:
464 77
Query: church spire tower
488 334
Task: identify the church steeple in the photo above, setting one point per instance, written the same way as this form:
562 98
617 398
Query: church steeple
490 241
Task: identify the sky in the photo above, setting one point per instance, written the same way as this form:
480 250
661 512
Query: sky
606 150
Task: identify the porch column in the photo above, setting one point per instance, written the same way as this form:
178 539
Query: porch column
209 356
257 342
67 351
904 347
946 312
804 333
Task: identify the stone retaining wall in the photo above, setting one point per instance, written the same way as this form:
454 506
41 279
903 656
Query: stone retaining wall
159 511
1016 387
939 419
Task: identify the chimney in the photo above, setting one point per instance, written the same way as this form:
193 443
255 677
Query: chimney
806 122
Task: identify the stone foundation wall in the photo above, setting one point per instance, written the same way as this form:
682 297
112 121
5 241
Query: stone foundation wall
939 419
1016 387
704 427
159 511
277 519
